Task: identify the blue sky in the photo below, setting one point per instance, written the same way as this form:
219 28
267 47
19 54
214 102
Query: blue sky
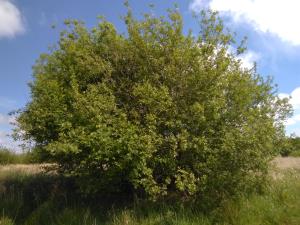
25 32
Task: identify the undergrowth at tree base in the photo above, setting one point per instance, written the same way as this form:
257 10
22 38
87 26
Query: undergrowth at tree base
42 199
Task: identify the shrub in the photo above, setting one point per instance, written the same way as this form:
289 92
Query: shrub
295 154
290 146
6 156
154 111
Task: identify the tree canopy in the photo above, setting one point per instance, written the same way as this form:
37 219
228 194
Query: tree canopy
155 111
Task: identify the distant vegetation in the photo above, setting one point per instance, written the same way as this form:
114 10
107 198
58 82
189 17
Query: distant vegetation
8 156
155 113
291 146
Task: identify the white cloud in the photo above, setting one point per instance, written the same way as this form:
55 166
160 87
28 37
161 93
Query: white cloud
198 5
294 120
10 19
248 59
283 95
295 98
6 119
3 138
7 141
5 132
293 123
275 16
296 132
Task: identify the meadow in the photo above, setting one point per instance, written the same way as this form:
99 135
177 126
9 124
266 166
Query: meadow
32 196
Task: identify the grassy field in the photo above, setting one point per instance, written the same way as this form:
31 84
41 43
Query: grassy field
30 196
8 156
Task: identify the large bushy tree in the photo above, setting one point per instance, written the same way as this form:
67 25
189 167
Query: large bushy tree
153 110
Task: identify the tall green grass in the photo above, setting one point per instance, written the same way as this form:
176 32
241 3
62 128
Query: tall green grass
10 157
295 154
45 199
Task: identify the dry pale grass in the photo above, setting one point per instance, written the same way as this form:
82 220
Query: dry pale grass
284 163
24 168
280 164
283 166
14 170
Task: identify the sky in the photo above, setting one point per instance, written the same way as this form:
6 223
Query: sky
25 32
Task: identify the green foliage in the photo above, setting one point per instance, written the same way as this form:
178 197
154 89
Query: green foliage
6 221
9 157
290 146
295 153
154 111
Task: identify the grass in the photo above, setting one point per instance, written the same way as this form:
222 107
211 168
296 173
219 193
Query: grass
30 197
279 205
9 157
295 154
